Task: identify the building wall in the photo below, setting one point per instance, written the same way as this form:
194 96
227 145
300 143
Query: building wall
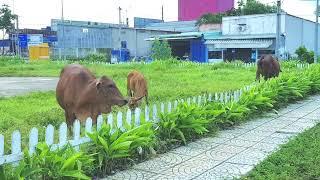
193 9
83 37
249 25
299 32
83 40
135 39
175 26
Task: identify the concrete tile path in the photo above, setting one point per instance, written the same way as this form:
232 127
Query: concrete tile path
11 86
231 153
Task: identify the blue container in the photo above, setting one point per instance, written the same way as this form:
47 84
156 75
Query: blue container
125 55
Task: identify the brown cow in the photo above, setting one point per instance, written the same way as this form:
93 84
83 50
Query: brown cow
81 95
268 67
137 89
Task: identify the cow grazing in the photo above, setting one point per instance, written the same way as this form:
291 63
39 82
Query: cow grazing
81 95
268 67
137 89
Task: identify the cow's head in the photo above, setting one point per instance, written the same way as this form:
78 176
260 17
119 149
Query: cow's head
134 102
109 93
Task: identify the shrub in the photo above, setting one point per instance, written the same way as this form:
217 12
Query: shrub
161 50
304 55
64 163
111 146
183 124
96 57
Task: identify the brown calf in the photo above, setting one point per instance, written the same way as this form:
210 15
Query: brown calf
137 89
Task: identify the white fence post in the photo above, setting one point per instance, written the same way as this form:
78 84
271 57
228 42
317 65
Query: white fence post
137 116
99 122
154 113
129 117
146 114
162 108
49 135
76 133
169 107
63 134
175 104
210 98
194 101
119 120
189 101
1 145
33 140
88 126
199 100
16 144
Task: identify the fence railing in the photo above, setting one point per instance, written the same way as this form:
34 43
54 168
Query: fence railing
149 114
184 64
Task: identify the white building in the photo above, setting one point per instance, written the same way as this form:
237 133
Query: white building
249 37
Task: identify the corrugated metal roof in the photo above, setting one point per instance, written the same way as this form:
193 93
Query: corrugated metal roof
244 43
254 36
188 35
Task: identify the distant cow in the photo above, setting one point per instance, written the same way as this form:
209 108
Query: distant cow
268 67
81 95
137 89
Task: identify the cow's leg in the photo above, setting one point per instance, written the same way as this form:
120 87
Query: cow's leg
147 101
95 118
70 118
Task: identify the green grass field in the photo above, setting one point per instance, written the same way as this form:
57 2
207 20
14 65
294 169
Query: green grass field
299 159
167 82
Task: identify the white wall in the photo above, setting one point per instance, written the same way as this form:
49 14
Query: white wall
255 24
136 42
299 32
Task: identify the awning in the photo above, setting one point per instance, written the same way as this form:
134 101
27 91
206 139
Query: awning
240 43
172 38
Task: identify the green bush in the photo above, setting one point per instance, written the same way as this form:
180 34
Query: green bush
304 55
161 50
64 163
183 124
97 57
111 146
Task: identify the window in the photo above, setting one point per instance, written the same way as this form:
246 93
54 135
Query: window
85 30
214 55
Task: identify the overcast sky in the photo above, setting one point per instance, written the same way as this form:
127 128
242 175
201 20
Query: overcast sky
37 13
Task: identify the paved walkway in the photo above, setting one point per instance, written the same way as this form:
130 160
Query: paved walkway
11 86
232 152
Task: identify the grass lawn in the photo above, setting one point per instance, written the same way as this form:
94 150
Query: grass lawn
299 159
166 82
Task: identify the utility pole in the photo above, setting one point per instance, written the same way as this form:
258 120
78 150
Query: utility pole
316 34
62 20
162 18
278 29
120 33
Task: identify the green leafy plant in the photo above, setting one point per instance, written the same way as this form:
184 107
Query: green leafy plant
96 57
304 55
183 124
113 145
161 50
64 163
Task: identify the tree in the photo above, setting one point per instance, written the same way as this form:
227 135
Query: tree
304 55
161 50
6 21
248 8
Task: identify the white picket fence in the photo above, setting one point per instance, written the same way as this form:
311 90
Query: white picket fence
149 114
